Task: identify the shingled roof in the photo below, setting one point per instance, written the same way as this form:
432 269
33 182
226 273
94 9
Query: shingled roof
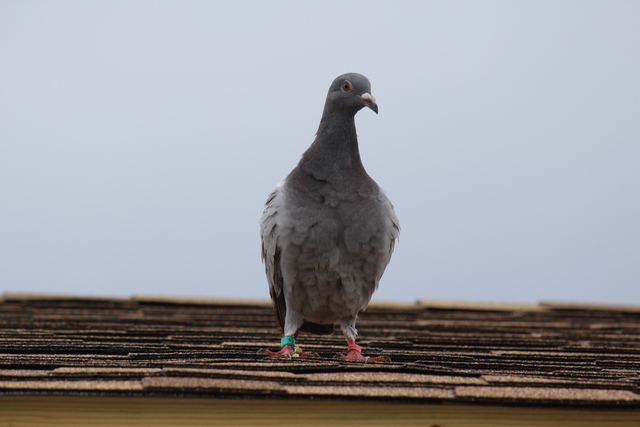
546 354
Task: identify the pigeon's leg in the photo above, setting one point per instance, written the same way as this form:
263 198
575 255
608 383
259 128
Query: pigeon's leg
287 350
354 351
292 323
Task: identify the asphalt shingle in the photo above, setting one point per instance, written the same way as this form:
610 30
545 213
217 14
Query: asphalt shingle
547 354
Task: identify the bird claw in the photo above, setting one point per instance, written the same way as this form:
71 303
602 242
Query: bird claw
362 359
354 354
309 354
289 352
268 352
380 359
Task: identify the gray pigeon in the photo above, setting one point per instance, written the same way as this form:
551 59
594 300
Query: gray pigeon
328 230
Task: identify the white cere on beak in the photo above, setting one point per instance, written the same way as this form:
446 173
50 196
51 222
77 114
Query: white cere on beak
368 97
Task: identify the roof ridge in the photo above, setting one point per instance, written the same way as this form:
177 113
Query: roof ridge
419 303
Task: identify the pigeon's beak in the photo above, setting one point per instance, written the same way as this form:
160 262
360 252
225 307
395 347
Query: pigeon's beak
370 101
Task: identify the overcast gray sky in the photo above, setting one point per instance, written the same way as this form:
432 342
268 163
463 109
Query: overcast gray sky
139 140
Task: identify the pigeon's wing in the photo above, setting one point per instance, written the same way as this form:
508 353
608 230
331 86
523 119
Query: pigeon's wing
269 233
390 232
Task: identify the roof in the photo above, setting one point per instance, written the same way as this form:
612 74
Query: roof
545 354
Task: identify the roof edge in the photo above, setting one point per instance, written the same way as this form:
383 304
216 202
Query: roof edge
29 296
590 306
420 303
171 299
479 305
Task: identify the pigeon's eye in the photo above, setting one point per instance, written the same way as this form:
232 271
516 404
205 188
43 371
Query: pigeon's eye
347 86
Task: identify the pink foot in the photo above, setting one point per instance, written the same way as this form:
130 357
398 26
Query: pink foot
354 353
288 351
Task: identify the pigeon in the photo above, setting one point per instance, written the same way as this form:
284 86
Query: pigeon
328 230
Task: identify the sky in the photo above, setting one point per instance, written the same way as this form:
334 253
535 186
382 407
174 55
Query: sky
139 140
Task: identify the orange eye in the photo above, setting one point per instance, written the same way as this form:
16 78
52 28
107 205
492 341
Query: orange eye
346 86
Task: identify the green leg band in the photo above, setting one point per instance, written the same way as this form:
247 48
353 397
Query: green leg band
288 340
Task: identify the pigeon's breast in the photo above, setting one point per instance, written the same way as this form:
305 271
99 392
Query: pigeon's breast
332 258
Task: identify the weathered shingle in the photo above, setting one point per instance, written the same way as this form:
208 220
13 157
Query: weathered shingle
547 354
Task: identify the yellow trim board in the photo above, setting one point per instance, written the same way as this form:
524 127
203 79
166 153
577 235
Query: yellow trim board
95 411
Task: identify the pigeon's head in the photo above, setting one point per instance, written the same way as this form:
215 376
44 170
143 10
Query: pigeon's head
351 92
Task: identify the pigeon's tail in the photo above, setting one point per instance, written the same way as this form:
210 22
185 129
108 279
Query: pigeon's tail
316 328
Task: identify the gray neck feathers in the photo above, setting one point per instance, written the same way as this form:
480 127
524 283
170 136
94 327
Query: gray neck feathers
334 155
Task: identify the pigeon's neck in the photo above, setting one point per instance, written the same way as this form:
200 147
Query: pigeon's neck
334 155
